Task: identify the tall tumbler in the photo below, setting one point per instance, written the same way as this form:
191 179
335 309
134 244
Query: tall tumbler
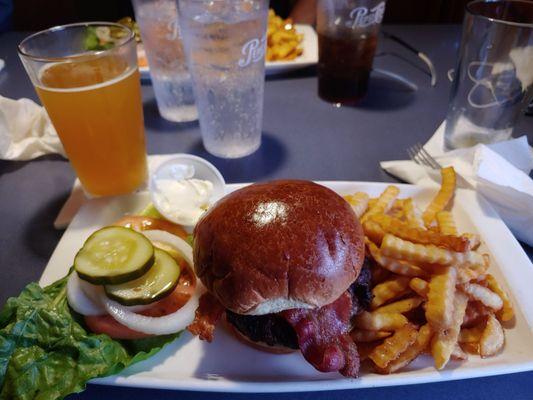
494 73
347 39
158 22
225 44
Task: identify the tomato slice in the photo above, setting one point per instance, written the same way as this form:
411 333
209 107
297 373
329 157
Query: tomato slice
140 223
169 304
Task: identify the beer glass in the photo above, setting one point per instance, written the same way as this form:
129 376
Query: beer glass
493 80
225 43
347 39
87 78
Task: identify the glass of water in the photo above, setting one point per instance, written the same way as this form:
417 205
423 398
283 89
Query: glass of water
158 22
493 80
225 43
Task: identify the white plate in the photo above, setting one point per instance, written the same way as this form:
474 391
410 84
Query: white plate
309 56
227 365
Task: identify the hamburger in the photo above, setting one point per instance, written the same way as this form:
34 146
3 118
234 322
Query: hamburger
283 261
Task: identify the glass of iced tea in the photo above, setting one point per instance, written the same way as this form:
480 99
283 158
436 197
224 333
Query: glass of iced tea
87 78
347 39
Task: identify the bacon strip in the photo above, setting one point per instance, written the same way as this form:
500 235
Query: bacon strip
323 336
207 315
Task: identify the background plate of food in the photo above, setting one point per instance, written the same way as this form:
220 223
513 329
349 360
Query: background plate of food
397 345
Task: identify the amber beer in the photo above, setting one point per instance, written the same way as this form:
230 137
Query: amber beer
94 103
347 33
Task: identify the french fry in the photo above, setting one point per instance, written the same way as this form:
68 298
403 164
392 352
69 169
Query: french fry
283 42
421 343
471 272
396 266
401 306
421 236
380 321
359 202
492 339
474 240
471 335
364 349
506 313
440 304
374 232
482 294
395 247
420 287
443 197
362 335
389 290
445 340
384 202
446 223
470 347
458 353
412 214
393 346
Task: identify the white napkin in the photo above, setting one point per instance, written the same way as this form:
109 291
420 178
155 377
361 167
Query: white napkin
499 172
26 131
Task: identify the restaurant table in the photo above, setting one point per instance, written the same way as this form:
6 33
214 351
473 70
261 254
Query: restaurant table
303 137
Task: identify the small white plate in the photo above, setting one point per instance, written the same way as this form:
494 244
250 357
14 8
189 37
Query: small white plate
309 56
227 365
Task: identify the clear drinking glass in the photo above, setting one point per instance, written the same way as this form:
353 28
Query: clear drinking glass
87 78
158 22
225 43
494 73
347 39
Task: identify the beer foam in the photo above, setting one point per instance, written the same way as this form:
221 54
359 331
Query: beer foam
116 79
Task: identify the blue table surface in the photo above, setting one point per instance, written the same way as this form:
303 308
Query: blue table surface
303 137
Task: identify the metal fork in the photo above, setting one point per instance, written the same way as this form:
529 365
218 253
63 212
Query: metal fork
419 155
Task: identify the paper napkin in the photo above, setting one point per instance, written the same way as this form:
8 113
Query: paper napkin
26 131
499 172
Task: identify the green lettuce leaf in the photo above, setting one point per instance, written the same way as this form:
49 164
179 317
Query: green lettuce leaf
46 353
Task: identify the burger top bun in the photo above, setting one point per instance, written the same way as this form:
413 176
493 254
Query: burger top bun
273 246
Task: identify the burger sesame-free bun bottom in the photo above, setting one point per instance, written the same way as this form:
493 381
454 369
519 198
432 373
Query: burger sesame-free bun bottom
228 365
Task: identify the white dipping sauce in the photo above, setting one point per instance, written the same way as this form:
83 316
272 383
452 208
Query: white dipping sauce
183 201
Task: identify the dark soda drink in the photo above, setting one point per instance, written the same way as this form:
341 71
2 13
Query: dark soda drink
344 67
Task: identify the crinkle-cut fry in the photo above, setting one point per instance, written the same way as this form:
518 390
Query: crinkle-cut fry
363 335
401 306
393 346
482 294
397 266
443 197
440 304
359 202
470 347
474 240
446 223
471 335
365 348
384 202
395 247
380 321
458 353
418 235
471 272
492 339
420 287
388 290
445 340
506 313
423 338
412 214
476 313
374 232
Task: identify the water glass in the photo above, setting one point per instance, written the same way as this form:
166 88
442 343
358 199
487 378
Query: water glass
158 23
225 42
494 73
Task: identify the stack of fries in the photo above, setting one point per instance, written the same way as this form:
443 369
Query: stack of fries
432 291
283 42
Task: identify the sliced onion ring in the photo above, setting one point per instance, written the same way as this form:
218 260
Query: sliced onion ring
166 324
79 300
